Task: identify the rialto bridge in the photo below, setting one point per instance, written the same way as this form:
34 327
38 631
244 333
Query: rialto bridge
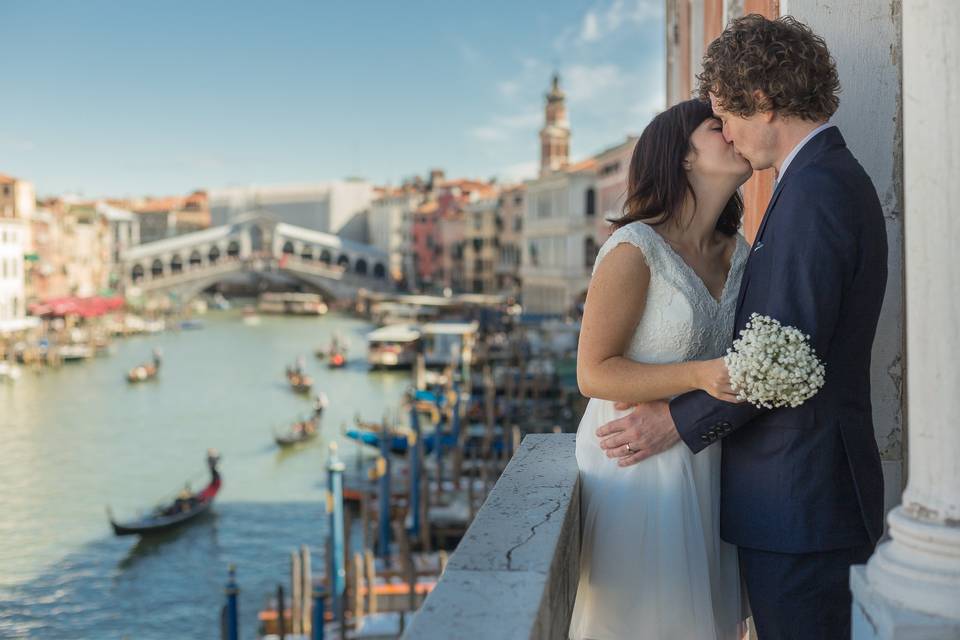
255 246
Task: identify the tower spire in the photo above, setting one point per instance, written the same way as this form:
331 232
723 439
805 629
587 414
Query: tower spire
555 134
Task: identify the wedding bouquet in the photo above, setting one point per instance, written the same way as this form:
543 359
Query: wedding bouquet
772 365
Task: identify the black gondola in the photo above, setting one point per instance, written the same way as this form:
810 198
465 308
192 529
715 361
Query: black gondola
304 430
181 510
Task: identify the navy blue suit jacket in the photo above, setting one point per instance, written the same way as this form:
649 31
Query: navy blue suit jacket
805 479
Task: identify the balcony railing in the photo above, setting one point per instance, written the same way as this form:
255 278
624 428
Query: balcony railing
514 574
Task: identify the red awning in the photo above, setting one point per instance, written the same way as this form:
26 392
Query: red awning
72 306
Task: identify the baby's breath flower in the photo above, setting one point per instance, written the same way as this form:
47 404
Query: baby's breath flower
772 365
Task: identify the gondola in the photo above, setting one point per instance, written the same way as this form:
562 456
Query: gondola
299 381
337 359
184 509
144 372
304 430
337 352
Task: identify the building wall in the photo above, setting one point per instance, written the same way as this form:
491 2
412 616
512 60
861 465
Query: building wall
865 38
510 211
481 246
326 207
556 265
426 246
13 235
613 169
691 26
390 225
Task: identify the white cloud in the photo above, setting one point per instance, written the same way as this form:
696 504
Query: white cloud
468 53
603 21
584 82
508 88
591 28
505 127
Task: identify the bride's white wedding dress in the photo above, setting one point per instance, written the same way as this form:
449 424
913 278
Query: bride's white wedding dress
652 565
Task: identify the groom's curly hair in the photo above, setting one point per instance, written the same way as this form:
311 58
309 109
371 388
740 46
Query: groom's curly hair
780 65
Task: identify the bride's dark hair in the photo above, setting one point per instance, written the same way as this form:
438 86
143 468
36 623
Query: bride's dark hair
657 182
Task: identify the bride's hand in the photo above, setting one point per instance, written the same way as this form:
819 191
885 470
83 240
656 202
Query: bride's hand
713 377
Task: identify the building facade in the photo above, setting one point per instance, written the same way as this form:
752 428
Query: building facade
17 203
331 207
509 227
613 167
481 246
71 249
391 227
559 246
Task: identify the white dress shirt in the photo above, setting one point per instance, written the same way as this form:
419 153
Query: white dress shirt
796 150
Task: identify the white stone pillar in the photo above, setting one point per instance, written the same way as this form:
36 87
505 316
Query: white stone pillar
910 589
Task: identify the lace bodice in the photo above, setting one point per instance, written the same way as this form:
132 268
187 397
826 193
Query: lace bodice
681 320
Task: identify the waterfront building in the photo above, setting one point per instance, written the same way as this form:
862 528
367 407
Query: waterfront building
123 233
391 226
559 247
70 250
481 245
426 246
161 218
509 228
613 167
16 206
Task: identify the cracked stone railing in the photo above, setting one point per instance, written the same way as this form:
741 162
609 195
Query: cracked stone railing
514 574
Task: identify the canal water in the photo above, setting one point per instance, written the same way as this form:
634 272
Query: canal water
76 439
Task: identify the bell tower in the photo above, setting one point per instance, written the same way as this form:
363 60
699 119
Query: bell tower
555 134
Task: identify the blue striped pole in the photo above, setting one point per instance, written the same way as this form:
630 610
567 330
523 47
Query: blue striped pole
456 415
232 613
438 435
338 571
415 470
318 621
383 540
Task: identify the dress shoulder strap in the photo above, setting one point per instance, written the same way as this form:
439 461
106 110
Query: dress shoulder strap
638 234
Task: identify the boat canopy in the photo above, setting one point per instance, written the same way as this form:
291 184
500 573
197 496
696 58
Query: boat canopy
450 328
394 333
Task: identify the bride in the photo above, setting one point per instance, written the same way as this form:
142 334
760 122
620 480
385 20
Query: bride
658 317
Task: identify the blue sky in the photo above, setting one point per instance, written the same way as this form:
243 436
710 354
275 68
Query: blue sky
134 98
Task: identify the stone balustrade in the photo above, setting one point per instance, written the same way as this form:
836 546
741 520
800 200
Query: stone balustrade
515 573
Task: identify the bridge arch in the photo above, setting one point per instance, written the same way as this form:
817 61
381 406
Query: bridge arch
176 264
137 273
379 271
288 248
307 252
214 255
344 261
233 249
156 269
360 268
325 257
195 260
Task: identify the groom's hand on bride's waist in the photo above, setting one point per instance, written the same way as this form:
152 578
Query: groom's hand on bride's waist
646 431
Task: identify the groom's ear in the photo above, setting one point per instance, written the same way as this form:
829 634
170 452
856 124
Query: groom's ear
763 106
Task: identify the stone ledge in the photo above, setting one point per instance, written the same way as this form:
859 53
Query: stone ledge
514 574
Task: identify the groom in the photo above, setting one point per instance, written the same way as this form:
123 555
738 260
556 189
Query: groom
801 488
